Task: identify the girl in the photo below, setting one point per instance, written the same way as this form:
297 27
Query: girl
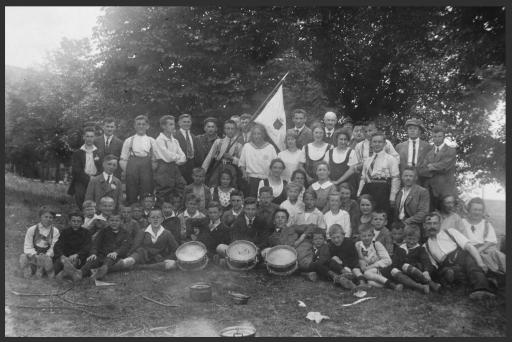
366 205
342 160
315 151
222 192
299 177
292 157
255 159
275 181
350 206
323 187
336 215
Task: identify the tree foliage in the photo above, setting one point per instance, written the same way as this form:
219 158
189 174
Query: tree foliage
443 64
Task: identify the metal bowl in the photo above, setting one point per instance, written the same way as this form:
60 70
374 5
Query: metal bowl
201 292
239 298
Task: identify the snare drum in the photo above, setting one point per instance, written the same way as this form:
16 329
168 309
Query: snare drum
281 260
191 256
241 255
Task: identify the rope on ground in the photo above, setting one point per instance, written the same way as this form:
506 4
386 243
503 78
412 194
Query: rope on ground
159 303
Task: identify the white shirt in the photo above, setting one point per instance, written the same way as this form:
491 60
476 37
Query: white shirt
90 167
276 189
362 150
256 161
405 193
340 156
315 153
291 162
438 148
342 218
293 209
385 166
477 237
169 150
185 133
106 176
154 236
317 186
329 133
409 154
28 246
141 147
442 245
298 130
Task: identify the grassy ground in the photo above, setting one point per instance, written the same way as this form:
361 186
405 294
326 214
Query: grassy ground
272 309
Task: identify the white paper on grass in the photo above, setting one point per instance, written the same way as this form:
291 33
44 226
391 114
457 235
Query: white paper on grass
316 316
273 118
103 283
301 304
359 301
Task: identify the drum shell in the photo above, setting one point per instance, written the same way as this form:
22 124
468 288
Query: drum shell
238 331
285 269
192 265
201 292
242 265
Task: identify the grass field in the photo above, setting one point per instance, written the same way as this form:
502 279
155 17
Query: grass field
272 309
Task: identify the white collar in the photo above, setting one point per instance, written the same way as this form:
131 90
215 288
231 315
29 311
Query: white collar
106 175
184 132
162 134
172 215
324 186
439 147
417 140
248 220
299 128
139 135
158 233
43 228
380 153
108 138
235 213
404 246
186 214
329 131
92 149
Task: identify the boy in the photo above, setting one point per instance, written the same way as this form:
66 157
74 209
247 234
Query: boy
411 265
157 247
382 234
311 214
106 209
343 259
304 133
138 215
293 205
374 260
130 225
171 221
248 226
176 199
337 216
40 240
85 163
89 211
106 184
237 200
169 156
73 245
191 205
211 231
205 141
110 246
266 208
188 144
148 203
319 257
199 189
136 161
108 143
397 235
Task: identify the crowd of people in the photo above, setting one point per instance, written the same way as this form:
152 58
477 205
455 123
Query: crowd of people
357 210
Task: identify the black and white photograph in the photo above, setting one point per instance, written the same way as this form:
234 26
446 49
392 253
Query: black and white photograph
239 171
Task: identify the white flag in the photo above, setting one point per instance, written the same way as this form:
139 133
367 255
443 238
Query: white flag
273 118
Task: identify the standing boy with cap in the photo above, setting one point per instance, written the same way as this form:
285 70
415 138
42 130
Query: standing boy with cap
188 144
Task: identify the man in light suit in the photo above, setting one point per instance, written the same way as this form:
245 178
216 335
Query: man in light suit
304 133
106 184
412 201
438 168
188 144
108 143
413 151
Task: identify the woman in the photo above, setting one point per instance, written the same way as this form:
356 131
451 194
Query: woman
315 151
255 159
222 192
366 206
224 154
449 216
342 160
275 181
323 187
292 157
300 177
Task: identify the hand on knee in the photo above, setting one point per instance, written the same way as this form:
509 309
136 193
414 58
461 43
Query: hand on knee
405 267
169 264
395 271
128 262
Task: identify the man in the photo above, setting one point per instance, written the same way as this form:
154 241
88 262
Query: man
455 258
188 144
108 143
347 123
412 201
358 134
364 148
304 133
106 184
413 151
380 177
85 163
438 168
330 120
244 134
206 140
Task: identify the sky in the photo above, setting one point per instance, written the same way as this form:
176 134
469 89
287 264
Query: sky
31 32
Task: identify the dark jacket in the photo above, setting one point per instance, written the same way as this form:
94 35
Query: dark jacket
417 257
98 188
322 255
240 230
305 137
115 147
173 225
164 247
442 178
416 206
346 252
78 175
73 242
183 145
211 239
386 239
107 242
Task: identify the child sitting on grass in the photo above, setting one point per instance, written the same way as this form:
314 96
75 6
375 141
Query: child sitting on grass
311 214
373 260
89 211
382 234
191 211
106 209
109 247
293 205
171 221
157 248
411 265
73 245
266 208
335 215
199 189
344 258
138 215
148 203
40 240
397 234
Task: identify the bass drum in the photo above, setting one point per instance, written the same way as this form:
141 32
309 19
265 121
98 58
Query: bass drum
191 256
242 255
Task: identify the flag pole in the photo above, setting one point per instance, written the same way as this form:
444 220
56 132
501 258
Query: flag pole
268 97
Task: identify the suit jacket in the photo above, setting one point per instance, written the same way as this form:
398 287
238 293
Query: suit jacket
305 137
416 206
329 140
403 151
78 174
240 230
98 187
183 145
115 147
442 179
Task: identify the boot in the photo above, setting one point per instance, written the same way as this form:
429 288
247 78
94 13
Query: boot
71 271
404 279
390 285
416 274
344 282
311 276
436 287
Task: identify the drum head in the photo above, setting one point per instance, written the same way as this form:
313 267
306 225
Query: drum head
281 256
242 251
191 251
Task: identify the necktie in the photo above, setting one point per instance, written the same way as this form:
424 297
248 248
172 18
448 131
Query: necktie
414 153
297 131
109 179
190 152
401 212
250 223
370 169
437 150
473 229
370 150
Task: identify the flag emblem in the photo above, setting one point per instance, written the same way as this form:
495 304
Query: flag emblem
278 124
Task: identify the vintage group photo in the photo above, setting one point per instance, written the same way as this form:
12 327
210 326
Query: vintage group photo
255 171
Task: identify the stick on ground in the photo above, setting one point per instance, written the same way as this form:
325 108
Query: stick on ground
159 303
59 308
40 294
